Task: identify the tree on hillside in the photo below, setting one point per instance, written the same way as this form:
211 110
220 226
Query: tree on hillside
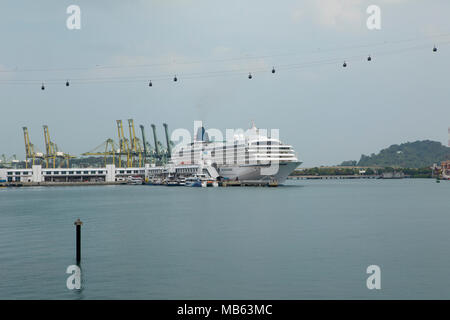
416 154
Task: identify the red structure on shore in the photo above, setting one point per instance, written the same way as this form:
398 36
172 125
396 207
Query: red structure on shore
445 170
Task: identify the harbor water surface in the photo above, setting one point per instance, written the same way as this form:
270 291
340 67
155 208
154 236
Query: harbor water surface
305 240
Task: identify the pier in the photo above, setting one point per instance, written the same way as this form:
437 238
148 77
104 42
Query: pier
384 175
326 177
248 183
57 184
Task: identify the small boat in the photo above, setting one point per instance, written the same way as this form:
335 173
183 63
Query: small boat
154 182
171 181
181 181
134 180
197 180
193 182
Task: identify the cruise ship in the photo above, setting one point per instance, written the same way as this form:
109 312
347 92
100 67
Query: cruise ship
250 156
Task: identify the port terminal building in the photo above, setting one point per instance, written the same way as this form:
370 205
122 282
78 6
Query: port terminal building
38 174
109 174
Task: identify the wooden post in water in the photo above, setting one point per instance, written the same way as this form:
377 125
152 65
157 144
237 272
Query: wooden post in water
78 225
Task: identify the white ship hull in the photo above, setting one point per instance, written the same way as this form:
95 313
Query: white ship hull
258 172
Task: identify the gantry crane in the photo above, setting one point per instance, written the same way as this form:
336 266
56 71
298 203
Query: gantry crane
146 145
136 149
124 148
52 151
30 152
161 155
168 142
49 148
157 143
107 149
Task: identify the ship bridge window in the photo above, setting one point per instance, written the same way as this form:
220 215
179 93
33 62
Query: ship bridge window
265 143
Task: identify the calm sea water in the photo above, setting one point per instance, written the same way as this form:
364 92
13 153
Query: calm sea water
305 240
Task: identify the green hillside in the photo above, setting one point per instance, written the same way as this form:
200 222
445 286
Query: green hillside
418 154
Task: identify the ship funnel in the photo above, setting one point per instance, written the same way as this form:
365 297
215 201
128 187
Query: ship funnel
202 135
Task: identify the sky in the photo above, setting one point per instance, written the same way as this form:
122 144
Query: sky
326 112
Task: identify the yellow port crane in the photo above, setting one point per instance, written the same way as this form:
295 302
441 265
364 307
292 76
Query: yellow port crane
107 149
30 151
52 151
136 148
124 148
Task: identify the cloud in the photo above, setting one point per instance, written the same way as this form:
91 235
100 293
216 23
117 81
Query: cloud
297 14
341 13
335 13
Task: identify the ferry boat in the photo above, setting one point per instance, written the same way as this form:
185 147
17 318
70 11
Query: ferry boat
250 156
154 182
171 181
134 180
181 181
193 181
